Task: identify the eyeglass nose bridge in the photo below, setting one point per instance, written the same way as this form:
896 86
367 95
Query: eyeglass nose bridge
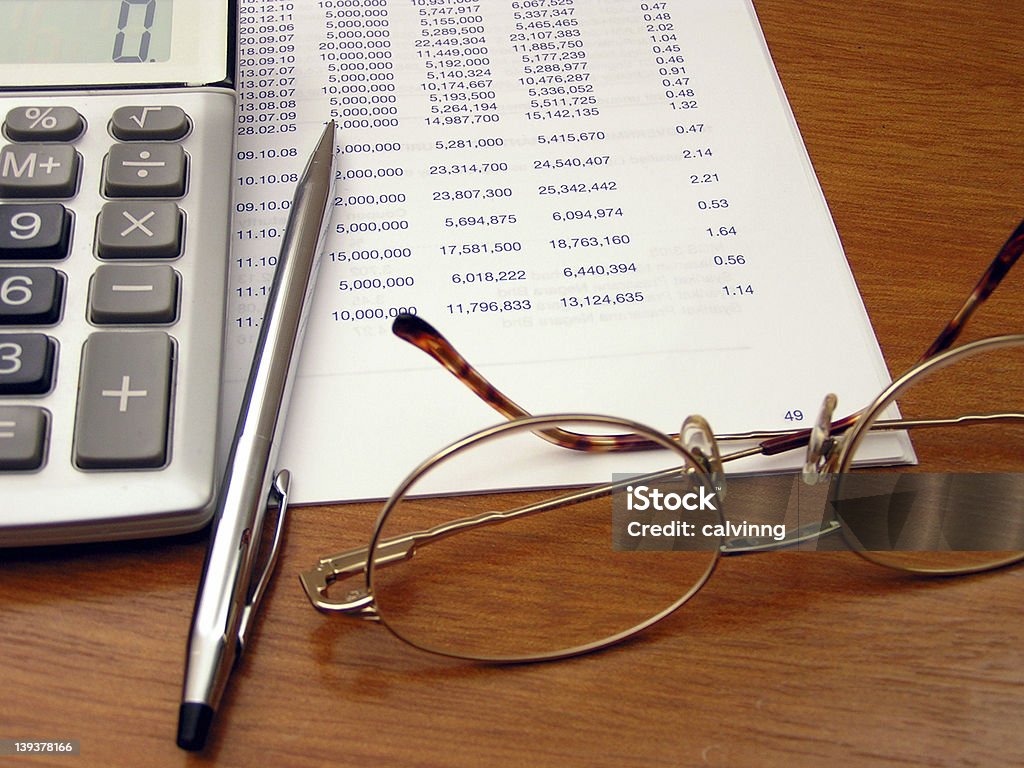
697 438
821 445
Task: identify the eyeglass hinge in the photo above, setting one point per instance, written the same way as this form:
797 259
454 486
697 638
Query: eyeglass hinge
316 581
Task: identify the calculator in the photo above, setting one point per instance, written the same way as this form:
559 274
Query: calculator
115 204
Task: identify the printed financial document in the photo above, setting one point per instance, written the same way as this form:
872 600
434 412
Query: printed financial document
606 207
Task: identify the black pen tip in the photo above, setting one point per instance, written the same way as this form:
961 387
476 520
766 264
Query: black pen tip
194 725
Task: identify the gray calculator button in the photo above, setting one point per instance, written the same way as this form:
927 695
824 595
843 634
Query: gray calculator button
26 363
145 170
34 123
139 230
124 401
149 123
30 295
34 231
38 170
23 430
125 294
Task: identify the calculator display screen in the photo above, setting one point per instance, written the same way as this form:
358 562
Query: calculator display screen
86 31
71 44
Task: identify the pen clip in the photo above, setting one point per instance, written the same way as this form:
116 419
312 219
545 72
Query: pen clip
279 494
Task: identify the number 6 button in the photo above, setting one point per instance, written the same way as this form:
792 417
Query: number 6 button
30 295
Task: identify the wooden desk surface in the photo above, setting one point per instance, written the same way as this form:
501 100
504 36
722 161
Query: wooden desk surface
912 112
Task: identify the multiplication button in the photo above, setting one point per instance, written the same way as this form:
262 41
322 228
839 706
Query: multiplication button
139 230
23 430
124 401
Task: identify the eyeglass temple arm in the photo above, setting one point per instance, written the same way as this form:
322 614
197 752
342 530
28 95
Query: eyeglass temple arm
332 568
989 281
424 336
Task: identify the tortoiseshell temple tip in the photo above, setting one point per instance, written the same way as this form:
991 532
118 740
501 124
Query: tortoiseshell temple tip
411 327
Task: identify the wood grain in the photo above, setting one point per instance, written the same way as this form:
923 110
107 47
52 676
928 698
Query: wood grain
911 111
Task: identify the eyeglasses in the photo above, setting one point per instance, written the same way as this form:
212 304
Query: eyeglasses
539 577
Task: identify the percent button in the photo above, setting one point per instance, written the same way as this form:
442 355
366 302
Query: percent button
37 123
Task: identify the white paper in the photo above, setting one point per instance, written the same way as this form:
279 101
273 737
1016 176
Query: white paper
659 138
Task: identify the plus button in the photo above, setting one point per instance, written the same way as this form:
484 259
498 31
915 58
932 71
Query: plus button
124 393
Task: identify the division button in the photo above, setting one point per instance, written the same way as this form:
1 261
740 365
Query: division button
145 170
23 430
124 401
40 123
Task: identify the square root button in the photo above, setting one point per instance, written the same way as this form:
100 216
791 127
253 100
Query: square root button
123 417
149 123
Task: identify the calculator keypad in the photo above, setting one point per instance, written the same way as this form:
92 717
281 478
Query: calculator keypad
120 294
114 222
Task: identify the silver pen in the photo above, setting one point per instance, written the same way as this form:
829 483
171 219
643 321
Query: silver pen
229 595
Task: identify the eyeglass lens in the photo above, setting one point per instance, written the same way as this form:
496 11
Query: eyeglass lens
538 585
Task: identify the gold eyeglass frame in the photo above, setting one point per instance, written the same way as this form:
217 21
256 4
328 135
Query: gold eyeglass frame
830 447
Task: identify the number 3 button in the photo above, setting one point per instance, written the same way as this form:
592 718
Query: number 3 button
26 363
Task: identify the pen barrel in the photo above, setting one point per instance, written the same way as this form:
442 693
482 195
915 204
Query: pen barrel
264 405
242 500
